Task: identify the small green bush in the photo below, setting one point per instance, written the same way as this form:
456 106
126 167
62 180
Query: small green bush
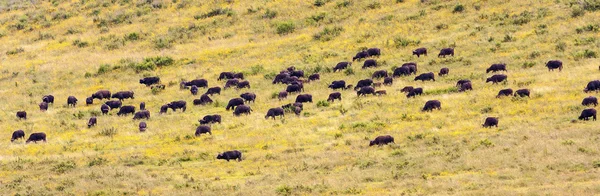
320 3
132 37
374 5
109 132
284 28
15 51
269 14
322 103
328 33
105 68
401 42
458 8
63 167
216 12
80 44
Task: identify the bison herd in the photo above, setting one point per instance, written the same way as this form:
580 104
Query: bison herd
295 80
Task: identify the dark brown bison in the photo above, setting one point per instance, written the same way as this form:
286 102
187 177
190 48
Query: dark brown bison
142 114
587 113
495 79
230 83
364 91
388 81
163 109
48 99
43 106
18 134
92 122
243 84
369 63
104 108
496 67
200 83
150 81
194 90
89 101
280 78
407 89
419 52
292 106
121 95
273 112
490 122
338 84
303 98
414 92
22 115
432 104
465 87
314 77
114 104
143 126
177 105
591 100
335 95
360 55
379 74
242 109
225 75
202 129
249 97
341 65
426 76
592 86
71 101
504 92
35 137
380 92
293 88
382 140
363 83
554 64
522 93
209 119
128 109
297 73
461 82
204 99
444 71
446 51
282 95
213 90
412 67
143 105
239 76
230 155
373 52
101 94
234 103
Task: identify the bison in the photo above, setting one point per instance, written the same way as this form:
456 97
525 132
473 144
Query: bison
461 82
89 101
414 92
204 99
373 52
587 113
230 83
388 81
92 122
150 80
282 95
504 92
225 75
143 105
364 91
163 109
143 126
210 119
554 64
419 52
280 78
335 95
379 74
43 106
104 108
303 98
213 90
338 84
591 100
495 79
465 87
382 140
293 88
202 129
273 112
363 83
22 115
297 73
18 134
369 63
444 71
113 104
314 77
230 155
194 90
126 110
496 67
142 114
412 67
48 99
123 95
101 94
407 89
200 83
490 122
360 55
249 97
243 84
177 105
242 109
432 104
35 137
425 76
522 93
446 51
71 101
234 103
341 65
592 86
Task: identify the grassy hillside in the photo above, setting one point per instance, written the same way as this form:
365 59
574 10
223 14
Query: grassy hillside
76 47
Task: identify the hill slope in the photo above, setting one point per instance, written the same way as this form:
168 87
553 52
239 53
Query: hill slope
74 48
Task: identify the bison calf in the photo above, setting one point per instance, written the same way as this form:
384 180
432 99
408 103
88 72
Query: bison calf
444 71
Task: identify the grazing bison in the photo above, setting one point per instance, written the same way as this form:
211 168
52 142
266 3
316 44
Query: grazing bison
230 155
292 106
496 67
592 86
71 101
335 95
407 89
293 88
414 92
126 110
446 51
143 126
338 84
123 95
363 83
194 90
282 95
341 65
225 75
242 109
142 114
150 81
163 109
18 134
230 83
249 97
369 63
314 77
273 112
114 104
239 76
380 92
432 104
379 74
243 84
35 137
43 106
444 71
48 99
419 52
504 92
522 93
101 94
143 105
200 83
591 100
495 79
234 103
202 129
461 82
177 105
297 73
303 98
465 87
89 101
92 122
373 52
401 71
412 67
364 91
554 64
280 78
213 90
208 119
425 76
382 140
490 122
204 99
22 115
388 81
360 55
587 113
104 108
